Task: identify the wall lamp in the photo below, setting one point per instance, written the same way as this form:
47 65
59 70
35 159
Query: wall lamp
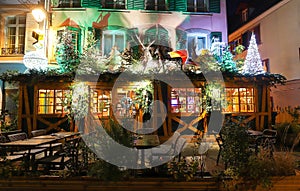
38 14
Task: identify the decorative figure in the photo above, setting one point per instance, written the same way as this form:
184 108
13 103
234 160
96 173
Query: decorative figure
147 57
102 21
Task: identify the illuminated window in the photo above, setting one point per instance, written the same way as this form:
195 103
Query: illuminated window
157 5
197 5
186 100
101 101
52 101
239 100
113 4
14 35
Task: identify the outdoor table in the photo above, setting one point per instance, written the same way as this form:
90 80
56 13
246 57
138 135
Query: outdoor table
28 144
145 142
65 135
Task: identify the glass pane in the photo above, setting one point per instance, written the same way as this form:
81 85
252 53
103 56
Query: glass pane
11 20
119 42
108 43
22 20
201 43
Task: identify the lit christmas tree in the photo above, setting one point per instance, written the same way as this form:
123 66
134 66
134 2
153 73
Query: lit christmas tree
253 63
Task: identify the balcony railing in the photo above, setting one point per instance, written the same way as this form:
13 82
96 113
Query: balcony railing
12 51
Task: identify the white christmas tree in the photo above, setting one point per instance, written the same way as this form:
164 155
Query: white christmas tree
253 63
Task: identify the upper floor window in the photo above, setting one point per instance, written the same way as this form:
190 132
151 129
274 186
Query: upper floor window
52 101
239 100
113 40
68 3
245 15
157 5
75 37
186 100
15 27
197 5
113 4
196 42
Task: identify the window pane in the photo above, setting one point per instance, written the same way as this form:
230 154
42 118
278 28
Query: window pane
108 43
186 100
119 42
11 20
22 20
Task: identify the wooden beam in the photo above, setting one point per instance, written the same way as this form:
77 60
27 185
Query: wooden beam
20 109
27 110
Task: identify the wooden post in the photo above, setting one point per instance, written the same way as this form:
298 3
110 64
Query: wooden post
27 110
20 109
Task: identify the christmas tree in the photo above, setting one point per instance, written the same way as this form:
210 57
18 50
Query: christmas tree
253 63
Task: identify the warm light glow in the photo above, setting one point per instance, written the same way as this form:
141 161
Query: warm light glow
39 15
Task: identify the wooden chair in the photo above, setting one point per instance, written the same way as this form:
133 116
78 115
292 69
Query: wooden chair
71 148
30 152
174 151
38 132
54 146
4 155
55 162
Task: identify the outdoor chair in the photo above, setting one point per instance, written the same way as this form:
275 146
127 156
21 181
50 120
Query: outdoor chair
30 152
54 146
38 132
3 154
268 140
71 149
174 152
57 161
167 147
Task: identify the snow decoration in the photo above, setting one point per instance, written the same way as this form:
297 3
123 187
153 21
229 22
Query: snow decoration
253 63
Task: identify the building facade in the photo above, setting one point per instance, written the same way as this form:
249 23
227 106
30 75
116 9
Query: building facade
275 30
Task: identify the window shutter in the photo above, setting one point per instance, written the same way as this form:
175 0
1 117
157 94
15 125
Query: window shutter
214 6
216 35
177 5
130 37
135 4
91 3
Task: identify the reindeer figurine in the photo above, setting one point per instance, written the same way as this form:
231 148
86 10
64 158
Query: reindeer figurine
147 56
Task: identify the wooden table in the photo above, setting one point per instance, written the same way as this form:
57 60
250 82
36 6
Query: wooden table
28 144
58 135
142 142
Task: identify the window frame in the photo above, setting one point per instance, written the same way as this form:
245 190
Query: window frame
18 46
113 4
69 4
177 98
55 104
194 4
95 102
113 42
196 36
156 4
238 103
